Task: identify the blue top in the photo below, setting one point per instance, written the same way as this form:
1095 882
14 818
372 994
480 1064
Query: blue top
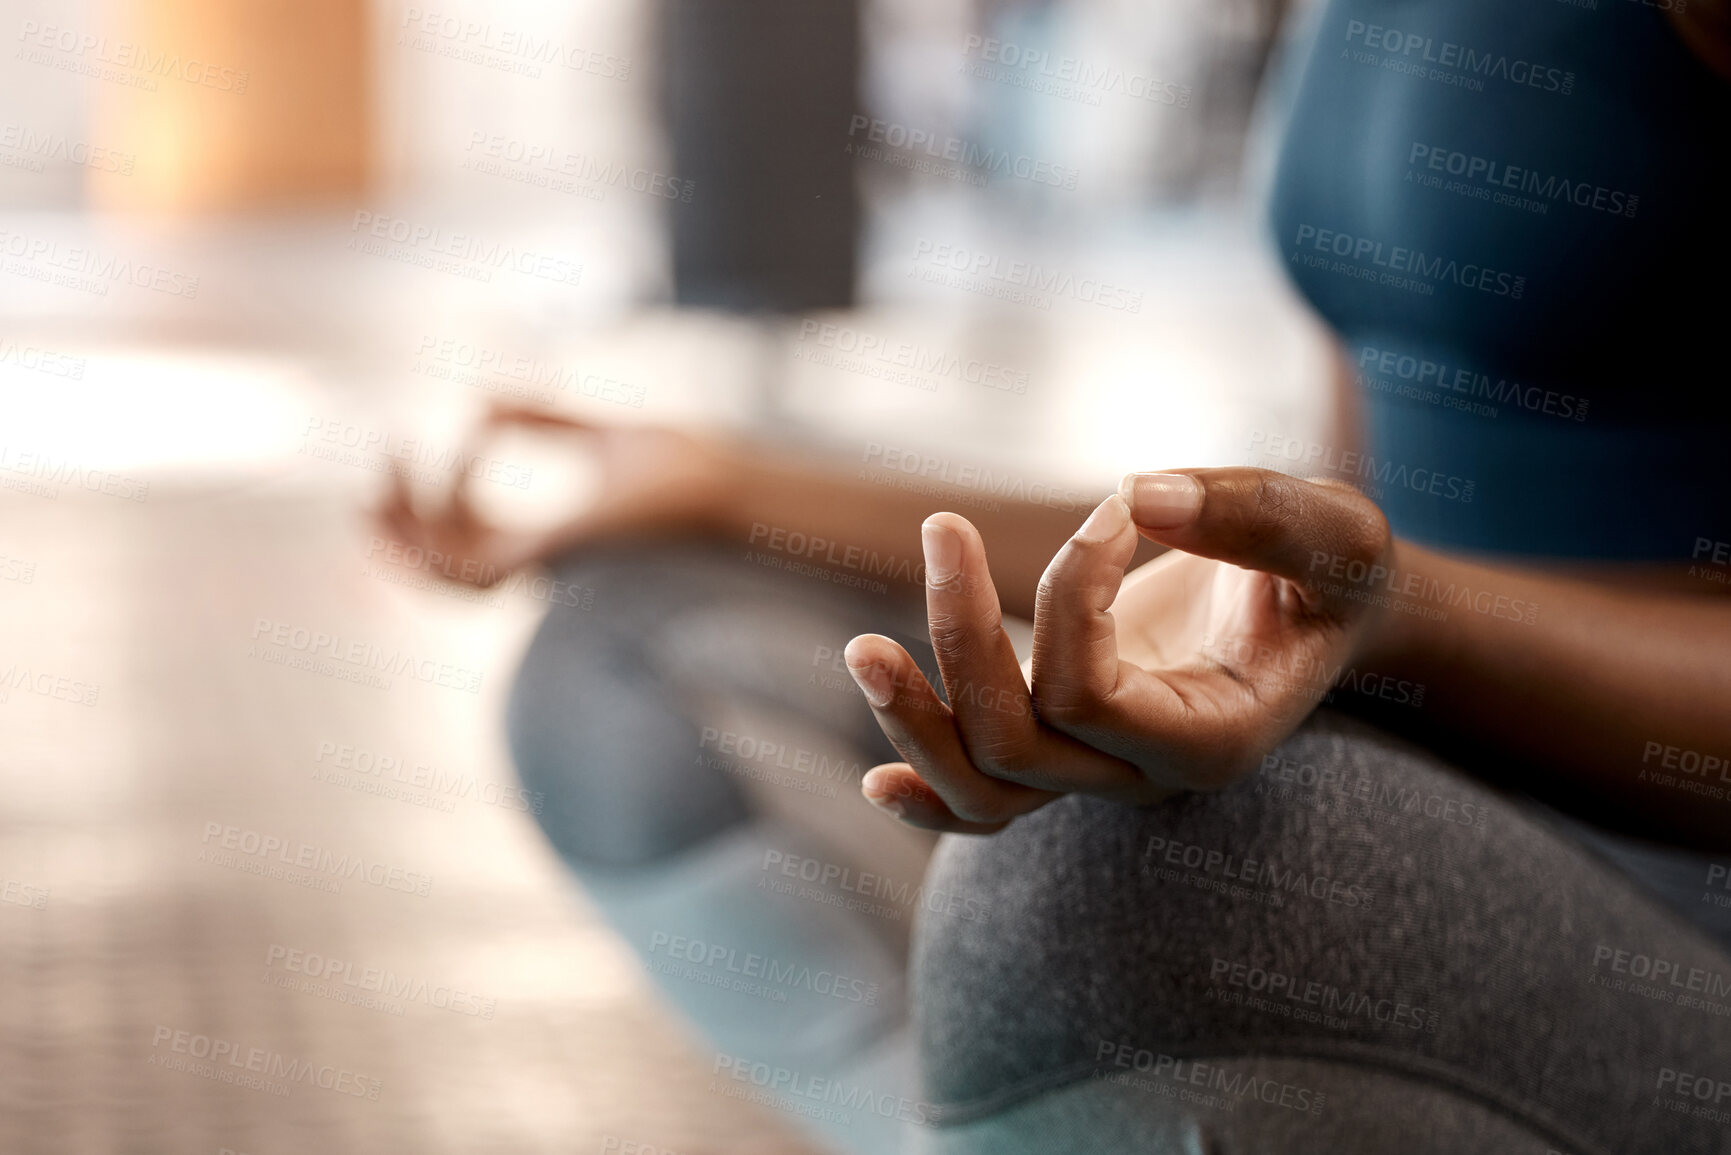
1515 214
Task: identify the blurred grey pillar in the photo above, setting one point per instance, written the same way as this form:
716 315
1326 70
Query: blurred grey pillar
758 97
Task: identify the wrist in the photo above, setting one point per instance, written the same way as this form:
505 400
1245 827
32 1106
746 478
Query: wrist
733 497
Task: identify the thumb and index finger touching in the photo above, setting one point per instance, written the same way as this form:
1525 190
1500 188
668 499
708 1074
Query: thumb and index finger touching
1258 519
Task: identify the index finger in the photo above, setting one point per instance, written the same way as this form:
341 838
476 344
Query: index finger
993 708
1262 520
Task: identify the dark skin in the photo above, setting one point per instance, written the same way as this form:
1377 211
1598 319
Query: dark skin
1208 656
1134 702
1705 26
1152 676
1621 676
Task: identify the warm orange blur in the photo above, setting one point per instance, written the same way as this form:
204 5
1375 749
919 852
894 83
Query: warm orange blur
276 111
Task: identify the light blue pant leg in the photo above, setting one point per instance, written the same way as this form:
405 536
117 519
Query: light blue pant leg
801 995
788 993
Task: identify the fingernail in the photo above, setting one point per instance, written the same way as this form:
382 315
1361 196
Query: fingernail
943 547
874 682
1106 522
888 803
889 800
1162 500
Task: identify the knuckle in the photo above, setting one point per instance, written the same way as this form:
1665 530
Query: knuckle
959 635
1047 592
999 757
1063 704
964 586
950 633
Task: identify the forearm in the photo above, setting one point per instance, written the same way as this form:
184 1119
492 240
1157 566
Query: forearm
1601 688
779 503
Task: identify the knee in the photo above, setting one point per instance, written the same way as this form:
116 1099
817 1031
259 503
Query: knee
585 676
1095 925
601 744
557 689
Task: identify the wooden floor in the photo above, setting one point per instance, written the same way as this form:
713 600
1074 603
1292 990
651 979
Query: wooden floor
158 963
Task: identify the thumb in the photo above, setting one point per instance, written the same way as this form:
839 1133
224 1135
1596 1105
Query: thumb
1307 532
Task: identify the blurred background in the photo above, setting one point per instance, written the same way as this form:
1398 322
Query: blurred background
252 251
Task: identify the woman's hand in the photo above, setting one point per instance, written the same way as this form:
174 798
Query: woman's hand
1180 677
653 480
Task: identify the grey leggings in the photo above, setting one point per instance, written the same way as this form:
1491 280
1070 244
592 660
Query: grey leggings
1357 949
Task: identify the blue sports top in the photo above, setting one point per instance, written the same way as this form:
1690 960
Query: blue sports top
1515 214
